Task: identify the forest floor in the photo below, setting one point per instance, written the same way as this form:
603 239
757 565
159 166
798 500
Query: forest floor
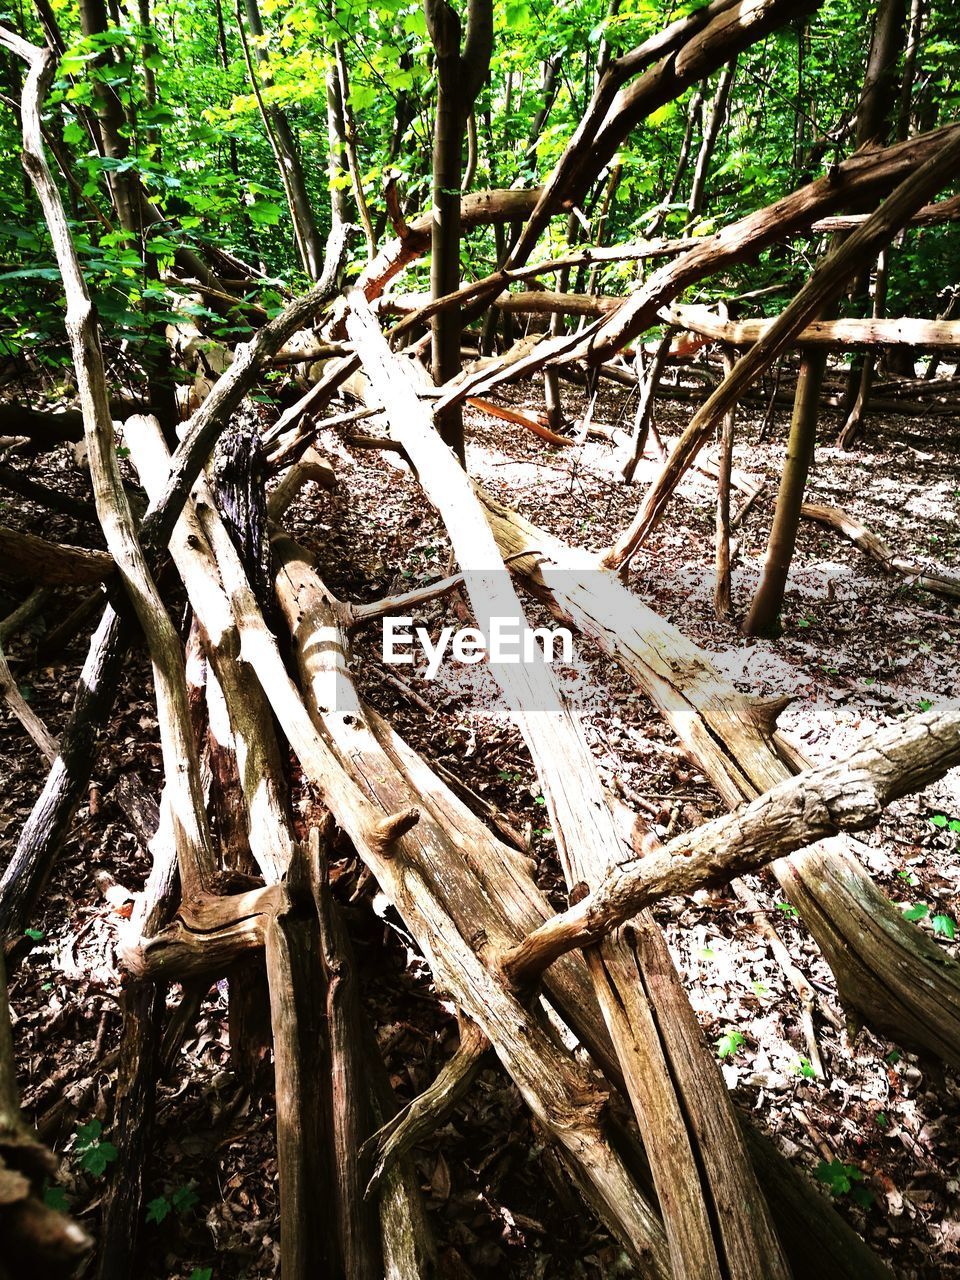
860 649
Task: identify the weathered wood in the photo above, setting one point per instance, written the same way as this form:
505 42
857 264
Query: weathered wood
849 795
490 895
308 1220
26 555
422 1116
741 1238
546 1075
45 496
936 578
898 980
838 335
351 1117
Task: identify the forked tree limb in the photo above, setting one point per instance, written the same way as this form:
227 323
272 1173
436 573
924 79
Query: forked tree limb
428 1110
849 795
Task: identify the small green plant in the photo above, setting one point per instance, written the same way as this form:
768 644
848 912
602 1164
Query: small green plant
804 1067
180 1201
909 877
33 934
788 910
94 1154
729 1044
916 912
201 1273
944 926
924 704
55 1197
843 1179
760 990
943 823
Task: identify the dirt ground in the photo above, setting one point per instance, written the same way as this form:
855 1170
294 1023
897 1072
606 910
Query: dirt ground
860 650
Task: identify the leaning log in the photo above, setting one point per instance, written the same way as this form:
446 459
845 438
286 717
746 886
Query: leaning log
849 795
900 982
714 1215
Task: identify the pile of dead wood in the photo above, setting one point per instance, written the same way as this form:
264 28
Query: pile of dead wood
639 1113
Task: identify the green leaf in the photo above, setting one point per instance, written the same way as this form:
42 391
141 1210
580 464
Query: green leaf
55 1198
917 912
839 1177
35 934
184 1198
264 213
729 1043
945 926
89 1133
158 1209
201 1273
938 820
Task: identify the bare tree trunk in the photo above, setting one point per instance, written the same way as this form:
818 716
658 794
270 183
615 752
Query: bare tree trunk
715 122
459 79
764 616
284 146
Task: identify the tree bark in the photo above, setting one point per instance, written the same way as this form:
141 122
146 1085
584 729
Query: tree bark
764 616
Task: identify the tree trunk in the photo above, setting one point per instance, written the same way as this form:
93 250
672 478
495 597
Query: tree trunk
764 616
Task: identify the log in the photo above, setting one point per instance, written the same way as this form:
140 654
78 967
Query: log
849 795
899 981
17 482
308 1224
490 894
937 578
25 555
837 335
711 1228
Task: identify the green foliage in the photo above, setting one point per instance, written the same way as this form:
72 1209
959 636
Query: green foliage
94 1155
730 1043
844 1180
55 1197
179 1201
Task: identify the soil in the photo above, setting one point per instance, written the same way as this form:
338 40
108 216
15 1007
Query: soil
860 649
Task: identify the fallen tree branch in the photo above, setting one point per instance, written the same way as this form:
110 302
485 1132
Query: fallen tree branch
25 555
849 795
938 579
